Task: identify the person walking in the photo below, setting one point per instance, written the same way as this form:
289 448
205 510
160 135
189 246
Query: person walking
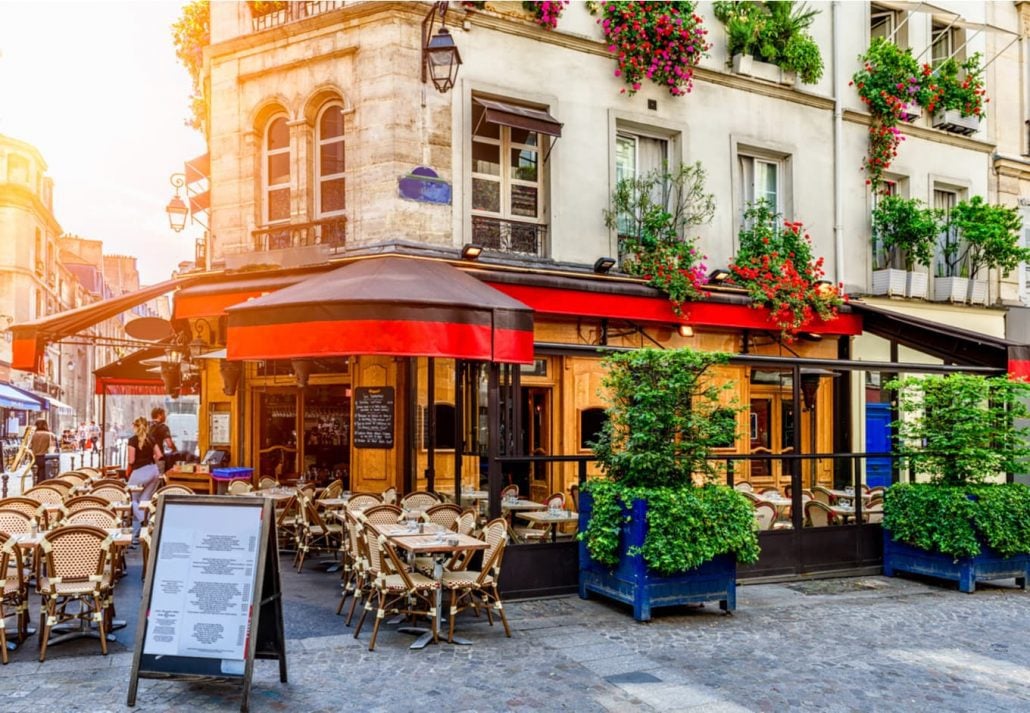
43 441
81 434
143 454
94 436
162 436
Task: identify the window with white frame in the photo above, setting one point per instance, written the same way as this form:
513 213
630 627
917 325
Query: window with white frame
944 42
637 155
950 254
276 170
882 23
1024 268
880 254
331 166
761 179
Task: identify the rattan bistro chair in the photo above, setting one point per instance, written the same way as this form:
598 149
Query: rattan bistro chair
111 493
819 514
420 500
84 501
76 565
15 522
765 515
361 501
96 517
444 515
472 589
313 534
30 508
14 590
239 487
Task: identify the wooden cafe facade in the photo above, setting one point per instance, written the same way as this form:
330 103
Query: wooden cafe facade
415 369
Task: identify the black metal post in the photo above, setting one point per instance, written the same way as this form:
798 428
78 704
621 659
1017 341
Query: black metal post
493 418
431 425
410 423
459 428
796 514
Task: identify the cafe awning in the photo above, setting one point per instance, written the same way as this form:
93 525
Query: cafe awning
394 305
31 338
13 398
129 377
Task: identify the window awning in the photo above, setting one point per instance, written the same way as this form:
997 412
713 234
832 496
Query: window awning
129 377
31 338
211 299
519 117
13 398
389 305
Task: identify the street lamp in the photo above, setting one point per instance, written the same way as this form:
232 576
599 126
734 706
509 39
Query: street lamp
440 56
176 208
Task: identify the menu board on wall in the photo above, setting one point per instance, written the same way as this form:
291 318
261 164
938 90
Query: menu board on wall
219 427
373 417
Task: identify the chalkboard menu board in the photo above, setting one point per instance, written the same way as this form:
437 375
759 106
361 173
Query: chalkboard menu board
373 417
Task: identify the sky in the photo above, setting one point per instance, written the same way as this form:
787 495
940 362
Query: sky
96 87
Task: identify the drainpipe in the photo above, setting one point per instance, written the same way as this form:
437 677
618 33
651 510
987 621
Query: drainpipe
838 138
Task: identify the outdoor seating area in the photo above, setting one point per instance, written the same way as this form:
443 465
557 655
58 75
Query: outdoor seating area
822 506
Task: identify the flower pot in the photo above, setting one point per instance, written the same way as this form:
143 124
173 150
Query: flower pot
748 66
977 292
951 120
788 77
951 289
889 282
632 582
967 571
910 112
916 284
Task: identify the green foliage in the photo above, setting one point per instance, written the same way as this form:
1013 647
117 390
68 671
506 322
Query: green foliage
955 520
653 213
965 428
191 33
776 32
664 419
905 231
961 86
991 233
265 7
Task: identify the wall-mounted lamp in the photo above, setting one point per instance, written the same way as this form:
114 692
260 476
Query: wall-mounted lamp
301 370
471 252
231 373
718 276
440 56
686 330
176 208
603 264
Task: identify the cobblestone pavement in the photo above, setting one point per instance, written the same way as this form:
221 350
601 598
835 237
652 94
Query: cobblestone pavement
862 644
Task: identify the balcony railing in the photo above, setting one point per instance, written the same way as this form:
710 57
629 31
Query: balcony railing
286 12
509 236
331 233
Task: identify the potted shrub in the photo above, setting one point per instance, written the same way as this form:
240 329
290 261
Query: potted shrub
991 234
957 525
961 96
653 214
770 40
658 530
903 232
775 264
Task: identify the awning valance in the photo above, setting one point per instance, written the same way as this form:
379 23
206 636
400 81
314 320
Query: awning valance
128 376
519 117
13 398
385 305
31 338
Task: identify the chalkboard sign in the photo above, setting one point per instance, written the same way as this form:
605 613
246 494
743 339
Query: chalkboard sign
212 601
373 417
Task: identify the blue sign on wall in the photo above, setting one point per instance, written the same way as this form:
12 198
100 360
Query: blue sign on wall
425 186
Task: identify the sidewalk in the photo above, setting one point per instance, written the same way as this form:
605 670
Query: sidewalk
864 644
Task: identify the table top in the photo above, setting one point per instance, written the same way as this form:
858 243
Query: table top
332 502
846 495
430 543
522 505
546 516
401 530
272 493
121 539
773 499
474 495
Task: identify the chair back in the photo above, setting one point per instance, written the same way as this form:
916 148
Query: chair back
85 501
818 513
822 495
97 517
111 494
173 490
495 533
76 475
308 489
268 483
556 500
12 570
361 501
369 538
44 494
333 490
390 496
419 500
509 490
466 522
15 522
382 514
63 485
236 487
765 515
873 502
28 506
116 482
443 515
769 491
75 553
753 497
743 485
91 473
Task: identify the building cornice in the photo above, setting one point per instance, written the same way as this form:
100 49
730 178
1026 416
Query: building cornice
244 77
920 132
1012 167
17 196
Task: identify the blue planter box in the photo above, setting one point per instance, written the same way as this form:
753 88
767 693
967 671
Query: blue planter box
967 571
633 583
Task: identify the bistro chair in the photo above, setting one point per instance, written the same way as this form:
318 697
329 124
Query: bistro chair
472 589
819 514
443 515
743 485
111 493
267 482
14 589
765 515
15 522
361 501
237 487
509 491
382 515
77 475
750 495
45 494
116 482
32 509
100 517
313 533
823 495
63 485
419 500
91 473
333 490
84 501
76 565
357 531
350 573
390 496
174 490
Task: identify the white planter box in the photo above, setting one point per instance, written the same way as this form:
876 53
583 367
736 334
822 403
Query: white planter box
911 112
748 66
951 289
978 292
953 121
889 282
916 285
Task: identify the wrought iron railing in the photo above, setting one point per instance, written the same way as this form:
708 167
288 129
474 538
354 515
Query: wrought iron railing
509 236
286 12
331 233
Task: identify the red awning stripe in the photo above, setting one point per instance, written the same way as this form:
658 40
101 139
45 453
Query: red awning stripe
129 386
211 305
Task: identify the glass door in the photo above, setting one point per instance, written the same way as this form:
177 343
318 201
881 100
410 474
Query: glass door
276 434
326 447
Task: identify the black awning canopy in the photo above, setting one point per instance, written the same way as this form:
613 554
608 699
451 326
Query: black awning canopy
520 117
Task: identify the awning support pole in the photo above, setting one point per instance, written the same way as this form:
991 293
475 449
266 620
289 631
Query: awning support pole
431 424
493 418
459 428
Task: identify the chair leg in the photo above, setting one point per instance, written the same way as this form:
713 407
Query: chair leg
500 611
99 608
3 635
353 603
364 612
44 628
380 613
454 615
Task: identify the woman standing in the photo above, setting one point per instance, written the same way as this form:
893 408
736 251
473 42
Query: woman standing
42 443
142 456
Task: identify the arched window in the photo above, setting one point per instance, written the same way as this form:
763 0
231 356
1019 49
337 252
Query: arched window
277 170
331 165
